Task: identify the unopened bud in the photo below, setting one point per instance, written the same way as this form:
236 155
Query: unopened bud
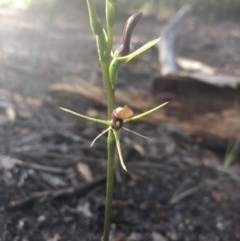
129 26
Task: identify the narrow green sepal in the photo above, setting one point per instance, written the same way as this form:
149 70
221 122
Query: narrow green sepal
135 133
137 52
145 113
104 122
115 133
98 136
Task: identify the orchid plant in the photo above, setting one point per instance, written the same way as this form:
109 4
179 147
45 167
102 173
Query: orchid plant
117 116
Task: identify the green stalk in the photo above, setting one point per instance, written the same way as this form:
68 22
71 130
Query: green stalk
110 95
111 146
110 20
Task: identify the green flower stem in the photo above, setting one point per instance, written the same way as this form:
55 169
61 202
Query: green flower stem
95 22
111 145
110 95
110 20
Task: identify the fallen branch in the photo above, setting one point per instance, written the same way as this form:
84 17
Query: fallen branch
168 34
82 191
194 70
179 197
194 66
216 80
13 161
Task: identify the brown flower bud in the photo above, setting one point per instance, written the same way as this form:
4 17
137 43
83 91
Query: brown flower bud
129 26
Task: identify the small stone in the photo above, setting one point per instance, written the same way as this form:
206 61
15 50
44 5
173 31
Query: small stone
84 208
41 219
158 237
134 237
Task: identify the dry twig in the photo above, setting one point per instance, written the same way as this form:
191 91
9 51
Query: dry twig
82 191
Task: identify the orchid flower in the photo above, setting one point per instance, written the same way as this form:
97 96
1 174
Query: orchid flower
120 116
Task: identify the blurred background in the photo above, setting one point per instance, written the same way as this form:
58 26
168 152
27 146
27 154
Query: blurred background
37 34
227 9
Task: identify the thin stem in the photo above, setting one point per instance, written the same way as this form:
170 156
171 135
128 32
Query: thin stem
110 95
111 145
104 46
110 20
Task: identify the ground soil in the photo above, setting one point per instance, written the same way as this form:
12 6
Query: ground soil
52 184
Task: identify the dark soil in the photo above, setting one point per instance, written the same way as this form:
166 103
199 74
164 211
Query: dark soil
52 184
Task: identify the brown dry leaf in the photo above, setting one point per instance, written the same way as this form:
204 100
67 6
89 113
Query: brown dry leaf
218 196
120 237
85 171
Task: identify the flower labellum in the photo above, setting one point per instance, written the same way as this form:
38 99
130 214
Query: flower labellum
123 112
120 114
